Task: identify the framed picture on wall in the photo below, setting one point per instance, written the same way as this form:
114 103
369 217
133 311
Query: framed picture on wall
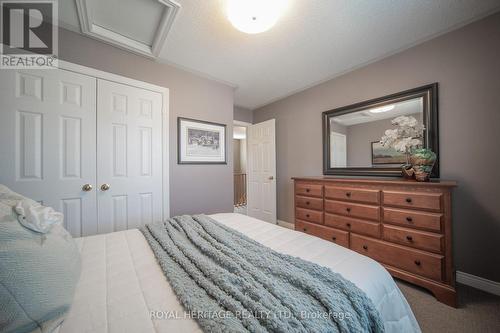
200 142
386 155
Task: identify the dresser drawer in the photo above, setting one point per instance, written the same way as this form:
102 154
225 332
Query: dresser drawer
334 235
352 194
309 215
310 190
413 219
418 239
358 226
353 210
309 203
431 201
414 261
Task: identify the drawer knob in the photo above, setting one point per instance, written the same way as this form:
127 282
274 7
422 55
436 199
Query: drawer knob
348 209
334 238
365 247
305 229
409 238
417 262
308 190
408 200
307 215
409 219
348 194
348 225
308 203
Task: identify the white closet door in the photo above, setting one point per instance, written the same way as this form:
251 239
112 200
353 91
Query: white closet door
48 140
261 166
129 156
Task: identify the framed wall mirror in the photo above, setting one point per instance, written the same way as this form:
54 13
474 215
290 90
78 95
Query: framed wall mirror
352 134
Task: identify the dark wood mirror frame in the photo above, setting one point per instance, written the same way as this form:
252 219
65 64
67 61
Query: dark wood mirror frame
430 120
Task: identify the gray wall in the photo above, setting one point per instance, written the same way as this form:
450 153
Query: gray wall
243 114
193 188
466 63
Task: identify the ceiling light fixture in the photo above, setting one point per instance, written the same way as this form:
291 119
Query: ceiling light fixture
255 16
381 109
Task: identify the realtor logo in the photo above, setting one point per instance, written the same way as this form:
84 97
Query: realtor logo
29 34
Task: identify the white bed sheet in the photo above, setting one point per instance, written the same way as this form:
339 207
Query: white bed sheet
121 282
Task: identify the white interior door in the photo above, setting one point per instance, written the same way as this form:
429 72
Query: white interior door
129 151
261 166
48 140
338 152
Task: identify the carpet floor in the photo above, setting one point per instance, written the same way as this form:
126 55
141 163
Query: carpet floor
477 312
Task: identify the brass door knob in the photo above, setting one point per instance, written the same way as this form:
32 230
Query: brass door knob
105 187
271 177
87 188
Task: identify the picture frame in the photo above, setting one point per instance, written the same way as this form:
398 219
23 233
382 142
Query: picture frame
386 155
200 142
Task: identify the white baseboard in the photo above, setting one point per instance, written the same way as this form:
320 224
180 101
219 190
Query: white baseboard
286 224
480 283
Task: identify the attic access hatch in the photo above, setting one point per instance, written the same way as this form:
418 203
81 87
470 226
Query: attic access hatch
116 22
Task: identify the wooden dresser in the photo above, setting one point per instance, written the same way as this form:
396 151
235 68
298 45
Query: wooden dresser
404 225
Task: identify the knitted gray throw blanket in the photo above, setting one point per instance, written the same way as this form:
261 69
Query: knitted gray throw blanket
231 283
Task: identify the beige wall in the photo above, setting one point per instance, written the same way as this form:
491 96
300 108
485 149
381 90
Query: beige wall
237 155
240 155
466 63
193 188
243 155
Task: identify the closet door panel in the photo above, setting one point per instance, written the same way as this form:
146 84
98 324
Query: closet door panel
48 135
129 142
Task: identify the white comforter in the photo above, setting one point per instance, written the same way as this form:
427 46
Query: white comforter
121 283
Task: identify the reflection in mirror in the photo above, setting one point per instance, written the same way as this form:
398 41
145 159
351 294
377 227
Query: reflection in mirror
352 134
355 137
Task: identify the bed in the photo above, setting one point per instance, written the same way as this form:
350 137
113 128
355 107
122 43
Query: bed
123 289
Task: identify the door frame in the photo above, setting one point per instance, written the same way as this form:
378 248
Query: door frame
245 124
165 92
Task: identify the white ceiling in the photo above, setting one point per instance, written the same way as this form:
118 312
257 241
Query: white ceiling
314 41
412 106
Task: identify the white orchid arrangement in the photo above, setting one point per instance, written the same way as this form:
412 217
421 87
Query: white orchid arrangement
407 136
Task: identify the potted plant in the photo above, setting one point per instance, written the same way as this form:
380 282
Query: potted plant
406 137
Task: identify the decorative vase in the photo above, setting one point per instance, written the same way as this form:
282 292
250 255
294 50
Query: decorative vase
423 161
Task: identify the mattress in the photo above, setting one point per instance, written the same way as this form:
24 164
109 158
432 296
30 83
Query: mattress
123 289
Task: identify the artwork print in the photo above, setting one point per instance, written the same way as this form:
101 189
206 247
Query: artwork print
201 142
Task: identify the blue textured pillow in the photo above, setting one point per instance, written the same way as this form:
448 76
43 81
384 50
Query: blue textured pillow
38 272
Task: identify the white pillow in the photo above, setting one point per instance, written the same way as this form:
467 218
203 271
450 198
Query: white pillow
38 271
37 217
